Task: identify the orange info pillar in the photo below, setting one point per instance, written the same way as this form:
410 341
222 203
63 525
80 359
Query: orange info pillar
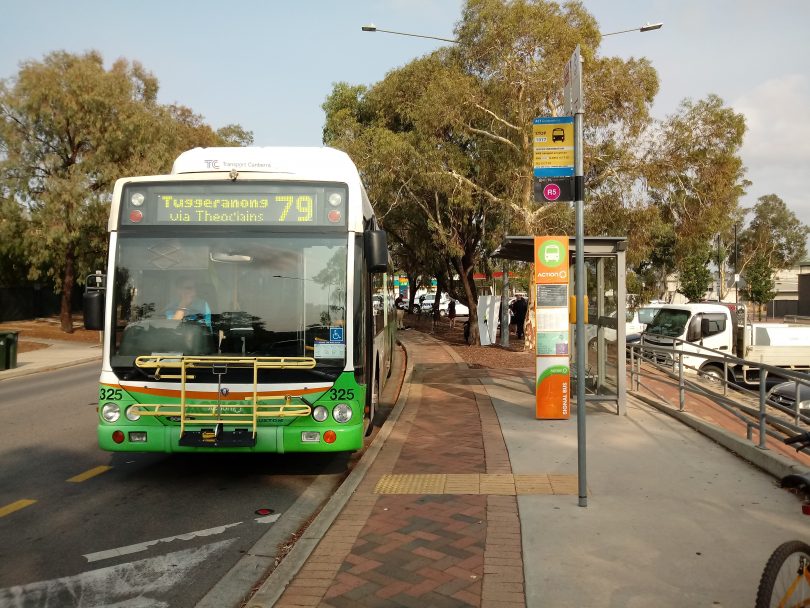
553 388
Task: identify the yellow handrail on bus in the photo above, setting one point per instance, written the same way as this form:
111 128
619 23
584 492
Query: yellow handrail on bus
214 414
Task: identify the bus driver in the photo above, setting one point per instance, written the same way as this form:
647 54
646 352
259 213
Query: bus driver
189 306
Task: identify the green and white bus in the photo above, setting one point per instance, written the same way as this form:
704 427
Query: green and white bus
237 307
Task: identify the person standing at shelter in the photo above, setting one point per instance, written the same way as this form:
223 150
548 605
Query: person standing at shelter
519 308
399 304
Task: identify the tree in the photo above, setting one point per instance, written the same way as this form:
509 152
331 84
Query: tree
694 276
69 128
774 235
448 137
760 286
695 179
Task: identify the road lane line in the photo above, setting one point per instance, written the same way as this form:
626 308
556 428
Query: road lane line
138 547
16 506
89 474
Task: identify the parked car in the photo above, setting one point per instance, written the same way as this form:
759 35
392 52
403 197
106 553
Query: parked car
430 298
785 395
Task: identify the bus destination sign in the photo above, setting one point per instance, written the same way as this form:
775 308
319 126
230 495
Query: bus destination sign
277 205
244 209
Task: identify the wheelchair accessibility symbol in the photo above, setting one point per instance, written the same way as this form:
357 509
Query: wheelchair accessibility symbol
336 334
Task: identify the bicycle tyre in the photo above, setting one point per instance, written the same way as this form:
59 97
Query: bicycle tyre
775 571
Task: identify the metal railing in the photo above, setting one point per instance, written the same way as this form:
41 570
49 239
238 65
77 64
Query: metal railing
754 408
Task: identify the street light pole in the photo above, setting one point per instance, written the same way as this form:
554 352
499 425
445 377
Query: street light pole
736 277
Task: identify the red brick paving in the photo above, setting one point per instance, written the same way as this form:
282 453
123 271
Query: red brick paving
425 551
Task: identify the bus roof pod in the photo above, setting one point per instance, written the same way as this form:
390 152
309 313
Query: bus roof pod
300 162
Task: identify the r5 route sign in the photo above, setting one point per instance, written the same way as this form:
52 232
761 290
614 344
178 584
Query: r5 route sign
554 190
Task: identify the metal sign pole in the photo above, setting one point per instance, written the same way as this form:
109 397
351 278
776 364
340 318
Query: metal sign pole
575 104
579 181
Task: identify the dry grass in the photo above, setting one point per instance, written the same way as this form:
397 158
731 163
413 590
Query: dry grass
47 329
494 356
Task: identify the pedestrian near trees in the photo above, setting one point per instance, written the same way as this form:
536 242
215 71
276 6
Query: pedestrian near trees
519 308
399 303
451 313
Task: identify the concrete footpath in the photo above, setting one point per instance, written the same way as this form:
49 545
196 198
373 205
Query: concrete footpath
467 500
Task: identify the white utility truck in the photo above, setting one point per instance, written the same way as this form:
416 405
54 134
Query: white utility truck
714 326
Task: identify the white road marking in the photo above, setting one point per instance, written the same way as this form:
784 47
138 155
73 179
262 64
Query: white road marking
130 585
138 547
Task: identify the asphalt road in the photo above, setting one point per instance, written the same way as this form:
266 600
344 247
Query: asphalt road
82 527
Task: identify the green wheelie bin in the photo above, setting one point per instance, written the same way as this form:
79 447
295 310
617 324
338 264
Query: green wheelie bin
8 349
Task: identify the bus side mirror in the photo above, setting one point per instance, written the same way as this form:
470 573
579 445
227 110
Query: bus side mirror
376 243
94 302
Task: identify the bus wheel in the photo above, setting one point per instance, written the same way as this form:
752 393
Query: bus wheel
371 408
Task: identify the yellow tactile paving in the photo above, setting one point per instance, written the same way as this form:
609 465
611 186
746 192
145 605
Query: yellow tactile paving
533 484
462 484
475 483
411 484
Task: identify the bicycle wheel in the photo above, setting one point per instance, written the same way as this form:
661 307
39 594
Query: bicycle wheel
786 578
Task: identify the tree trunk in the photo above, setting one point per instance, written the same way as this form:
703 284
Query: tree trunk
68 280
472 302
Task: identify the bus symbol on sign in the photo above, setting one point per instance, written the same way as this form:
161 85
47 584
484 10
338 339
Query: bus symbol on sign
551 192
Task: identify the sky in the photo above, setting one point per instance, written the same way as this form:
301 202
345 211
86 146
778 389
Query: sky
269 65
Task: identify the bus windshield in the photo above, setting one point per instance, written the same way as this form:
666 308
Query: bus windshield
668 322
251 295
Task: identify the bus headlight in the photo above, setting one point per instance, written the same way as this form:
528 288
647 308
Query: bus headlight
320 413
335 199
342 413
133 413
111 412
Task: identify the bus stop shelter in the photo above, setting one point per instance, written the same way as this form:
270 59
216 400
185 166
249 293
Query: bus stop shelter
606 308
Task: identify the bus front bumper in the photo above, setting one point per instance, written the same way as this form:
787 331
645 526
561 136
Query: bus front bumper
268 439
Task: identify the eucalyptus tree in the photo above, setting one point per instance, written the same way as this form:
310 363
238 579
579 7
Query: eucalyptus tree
68 128
695 178
449 135
774 234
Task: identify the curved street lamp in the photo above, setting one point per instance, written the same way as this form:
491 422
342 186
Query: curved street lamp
373 28
647 27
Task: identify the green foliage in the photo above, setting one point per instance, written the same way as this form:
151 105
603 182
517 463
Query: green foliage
68 129
694 275
695 177
775 234
760 286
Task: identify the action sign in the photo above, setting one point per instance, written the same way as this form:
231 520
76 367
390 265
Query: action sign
553 190
553 146
553 380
